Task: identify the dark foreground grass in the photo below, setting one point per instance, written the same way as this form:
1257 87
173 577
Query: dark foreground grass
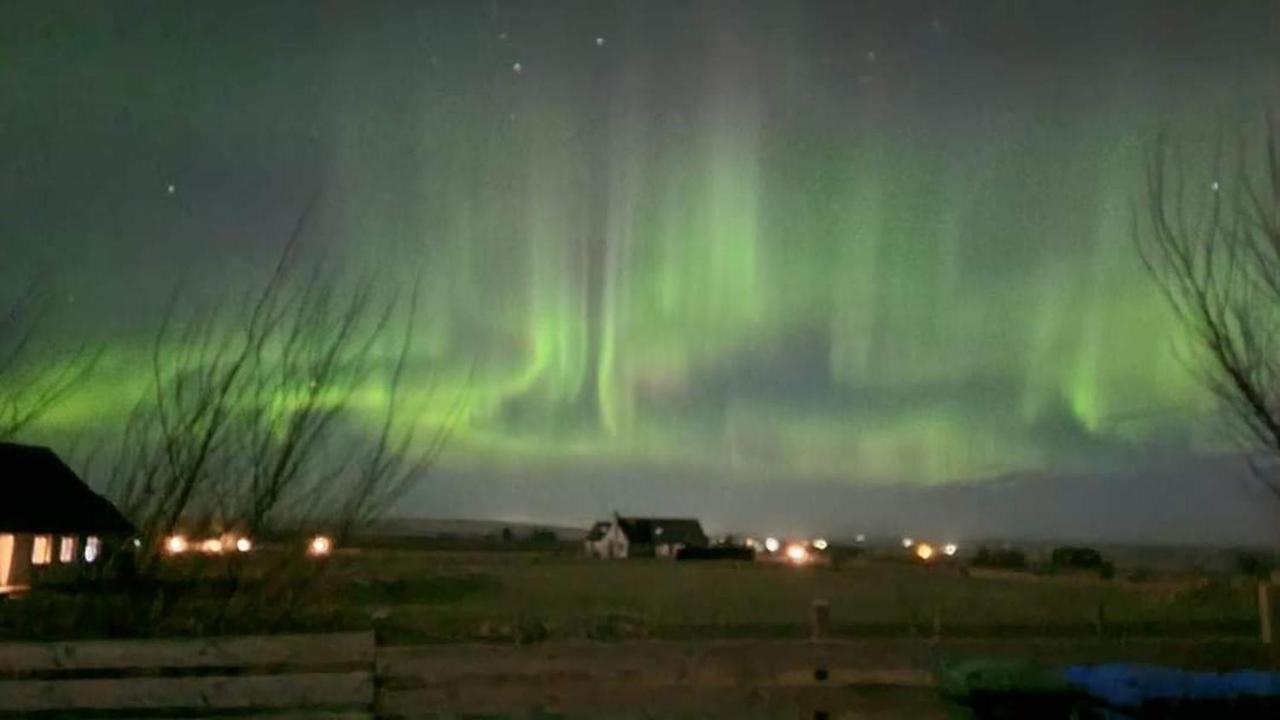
526 597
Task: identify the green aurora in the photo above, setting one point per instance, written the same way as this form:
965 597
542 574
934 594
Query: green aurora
784 244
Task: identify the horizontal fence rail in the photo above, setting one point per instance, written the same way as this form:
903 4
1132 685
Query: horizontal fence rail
348 677
331 675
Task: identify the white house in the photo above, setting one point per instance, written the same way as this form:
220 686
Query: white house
624 537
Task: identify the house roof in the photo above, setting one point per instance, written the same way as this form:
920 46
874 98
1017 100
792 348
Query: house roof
598 530
654 531
40 494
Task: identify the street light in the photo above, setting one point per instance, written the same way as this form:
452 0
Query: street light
320 546
175 545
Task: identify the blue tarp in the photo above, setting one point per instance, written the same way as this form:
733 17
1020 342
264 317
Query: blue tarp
1127 685
995 688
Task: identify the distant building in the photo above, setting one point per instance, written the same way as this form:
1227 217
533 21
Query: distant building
595 543
624 537
52 526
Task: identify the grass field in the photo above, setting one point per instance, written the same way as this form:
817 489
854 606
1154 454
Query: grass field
421 596
525 597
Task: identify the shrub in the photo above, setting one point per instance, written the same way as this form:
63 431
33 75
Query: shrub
1253 565
1005 559
1078 558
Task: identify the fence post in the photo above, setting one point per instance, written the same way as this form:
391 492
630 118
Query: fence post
1264 611
819 619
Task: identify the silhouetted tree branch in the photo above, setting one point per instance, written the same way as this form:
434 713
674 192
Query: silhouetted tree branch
240 428
1213 248
34 376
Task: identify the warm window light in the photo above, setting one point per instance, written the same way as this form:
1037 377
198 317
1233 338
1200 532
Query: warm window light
924 551
772 544
820 544
92 548
213 546
67 549
797 554
320 545
244 544
949 549
907 542
175 545
42 550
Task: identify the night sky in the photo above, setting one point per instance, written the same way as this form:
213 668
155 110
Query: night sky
789 266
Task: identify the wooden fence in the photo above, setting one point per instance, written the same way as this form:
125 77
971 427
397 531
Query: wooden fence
300 676
346 676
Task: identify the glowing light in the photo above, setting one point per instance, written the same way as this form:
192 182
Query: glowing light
820 544
175 545
772 544
137 542
92 548
860 538
599 42
244 544
517 68
213 546
320 545
924 551
797 554
949 549
907 542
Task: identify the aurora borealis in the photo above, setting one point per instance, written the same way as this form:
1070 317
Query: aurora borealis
670 251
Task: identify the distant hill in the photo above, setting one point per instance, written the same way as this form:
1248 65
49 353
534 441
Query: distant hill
456 528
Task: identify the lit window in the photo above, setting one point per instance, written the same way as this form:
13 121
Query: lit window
67 550
42 550
92 548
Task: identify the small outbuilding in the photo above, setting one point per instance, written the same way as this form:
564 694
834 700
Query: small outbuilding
628 537
53 528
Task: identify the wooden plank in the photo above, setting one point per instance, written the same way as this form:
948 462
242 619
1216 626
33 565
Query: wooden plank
753 664
579 701
244 692
301 651
291 715
853 677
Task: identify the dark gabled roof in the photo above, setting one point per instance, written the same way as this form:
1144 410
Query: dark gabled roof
598 530
654 531
40 494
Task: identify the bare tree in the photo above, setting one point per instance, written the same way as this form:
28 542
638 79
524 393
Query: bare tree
240 428
1212 244
34 375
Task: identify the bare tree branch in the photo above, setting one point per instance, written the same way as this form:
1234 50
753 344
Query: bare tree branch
239 430
1213 249
34 375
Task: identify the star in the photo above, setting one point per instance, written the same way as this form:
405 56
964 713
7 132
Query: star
171 189
871 56
502 36
518 68
599 42
1214 186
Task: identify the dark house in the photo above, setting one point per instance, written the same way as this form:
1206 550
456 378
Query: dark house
625 537
52 526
